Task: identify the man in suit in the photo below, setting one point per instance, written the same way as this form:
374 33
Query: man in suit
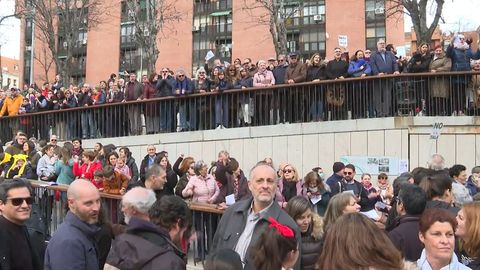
243 223
383 62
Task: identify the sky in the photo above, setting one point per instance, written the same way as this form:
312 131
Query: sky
459 15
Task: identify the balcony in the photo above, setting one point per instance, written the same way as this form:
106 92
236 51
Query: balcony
404 95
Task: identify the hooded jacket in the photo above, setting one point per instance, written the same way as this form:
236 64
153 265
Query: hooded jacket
147 247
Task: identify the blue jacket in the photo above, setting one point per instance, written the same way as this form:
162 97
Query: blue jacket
64 172
355 68
334 183
379 66
186 85
72 247
471 187
460 58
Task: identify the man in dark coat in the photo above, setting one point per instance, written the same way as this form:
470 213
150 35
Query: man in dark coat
334 180
152 238
410 206
133 92
148 161
17 248
243 223
383 62
73 244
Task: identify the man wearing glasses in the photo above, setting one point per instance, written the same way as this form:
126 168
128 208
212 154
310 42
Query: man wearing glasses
15 207
350 185
53 141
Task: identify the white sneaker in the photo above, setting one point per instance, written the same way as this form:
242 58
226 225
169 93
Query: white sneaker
219 127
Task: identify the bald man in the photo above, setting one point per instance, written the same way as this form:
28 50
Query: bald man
73 245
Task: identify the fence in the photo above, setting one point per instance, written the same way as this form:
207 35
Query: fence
451 93
51 206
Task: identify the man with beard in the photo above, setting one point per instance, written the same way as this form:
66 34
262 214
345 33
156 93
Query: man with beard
73 245
154 233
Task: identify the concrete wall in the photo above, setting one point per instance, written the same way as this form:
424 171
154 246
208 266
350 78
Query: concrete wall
309 145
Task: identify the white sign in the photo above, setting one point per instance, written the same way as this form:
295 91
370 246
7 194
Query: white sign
209 55
376 164
343 41
436 130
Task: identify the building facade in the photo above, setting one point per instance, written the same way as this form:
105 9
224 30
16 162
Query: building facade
229 28
9 73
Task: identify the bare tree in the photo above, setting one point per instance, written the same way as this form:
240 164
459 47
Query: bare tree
63 26
276 14
417 10
152 22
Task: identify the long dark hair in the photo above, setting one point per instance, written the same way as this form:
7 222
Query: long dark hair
271 249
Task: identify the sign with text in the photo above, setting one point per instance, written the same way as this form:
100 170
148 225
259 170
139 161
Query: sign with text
436 130
343 41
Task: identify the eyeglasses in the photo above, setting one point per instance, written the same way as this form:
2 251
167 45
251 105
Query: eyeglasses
368 52
53 140
281 60
288 171
19 201
180 76
348 173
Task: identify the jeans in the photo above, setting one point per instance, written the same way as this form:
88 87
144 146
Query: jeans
89 126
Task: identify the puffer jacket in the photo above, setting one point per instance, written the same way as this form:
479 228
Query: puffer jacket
311 243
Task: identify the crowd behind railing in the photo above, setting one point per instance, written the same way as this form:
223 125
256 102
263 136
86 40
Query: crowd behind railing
274 93
427 216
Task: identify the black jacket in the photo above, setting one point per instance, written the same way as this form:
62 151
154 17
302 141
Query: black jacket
147 247
312 243
405 237
5 252
336 69
364 203
144 167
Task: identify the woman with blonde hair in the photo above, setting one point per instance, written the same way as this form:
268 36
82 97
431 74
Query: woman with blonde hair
340 204
290 184
354 243
468 232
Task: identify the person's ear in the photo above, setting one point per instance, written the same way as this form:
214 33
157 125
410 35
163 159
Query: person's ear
421 237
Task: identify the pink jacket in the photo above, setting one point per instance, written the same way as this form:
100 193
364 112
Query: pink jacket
263 79
204 189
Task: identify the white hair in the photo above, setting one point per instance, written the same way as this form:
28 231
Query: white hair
140 198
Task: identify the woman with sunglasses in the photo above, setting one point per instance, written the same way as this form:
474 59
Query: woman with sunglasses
201 85
289 185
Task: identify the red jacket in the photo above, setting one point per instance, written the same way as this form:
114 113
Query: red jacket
86 171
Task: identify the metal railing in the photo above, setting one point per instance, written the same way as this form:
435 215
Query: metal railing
51 203
450 93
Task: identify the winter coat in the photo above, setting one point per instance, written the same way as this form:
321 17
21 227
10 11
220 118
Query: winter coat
336 69
311 243
144 167
11 106
440 86
419 63
405 237
151 108
387 66
321 206
228 188
133 169
281 191
454 264
265 78
72 246
233 223
297 73
442 205
316 72
114 185
359 67
164 87
133 91
147 247
86 171
64 172
204 189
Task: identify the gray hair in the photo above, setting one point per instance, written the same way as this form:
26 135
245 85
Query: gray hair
155 169
140 198
436 162
198 166
260 164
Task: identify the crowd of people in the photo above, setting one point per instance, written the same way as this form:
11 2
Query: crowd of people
273 219
457 95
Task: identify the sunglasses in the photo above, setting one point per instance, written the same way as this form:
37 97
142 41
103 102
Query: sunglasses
348 173
288 171
19 201
368 52
180 76
53 140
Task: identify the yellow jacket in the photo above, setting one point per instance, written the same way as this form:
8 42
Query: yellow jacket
11 106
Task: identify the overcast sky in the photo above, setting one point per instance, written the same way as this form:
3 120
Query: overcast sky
459 15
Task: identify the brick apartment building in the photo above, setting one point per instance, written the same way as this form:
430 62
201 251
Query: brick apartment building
224 26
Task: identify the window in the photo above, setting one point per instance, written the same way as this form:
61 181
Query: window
375 22
127 33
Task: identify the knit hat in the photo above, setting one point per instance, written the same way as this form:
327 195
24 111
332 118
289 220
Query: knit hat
338 166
